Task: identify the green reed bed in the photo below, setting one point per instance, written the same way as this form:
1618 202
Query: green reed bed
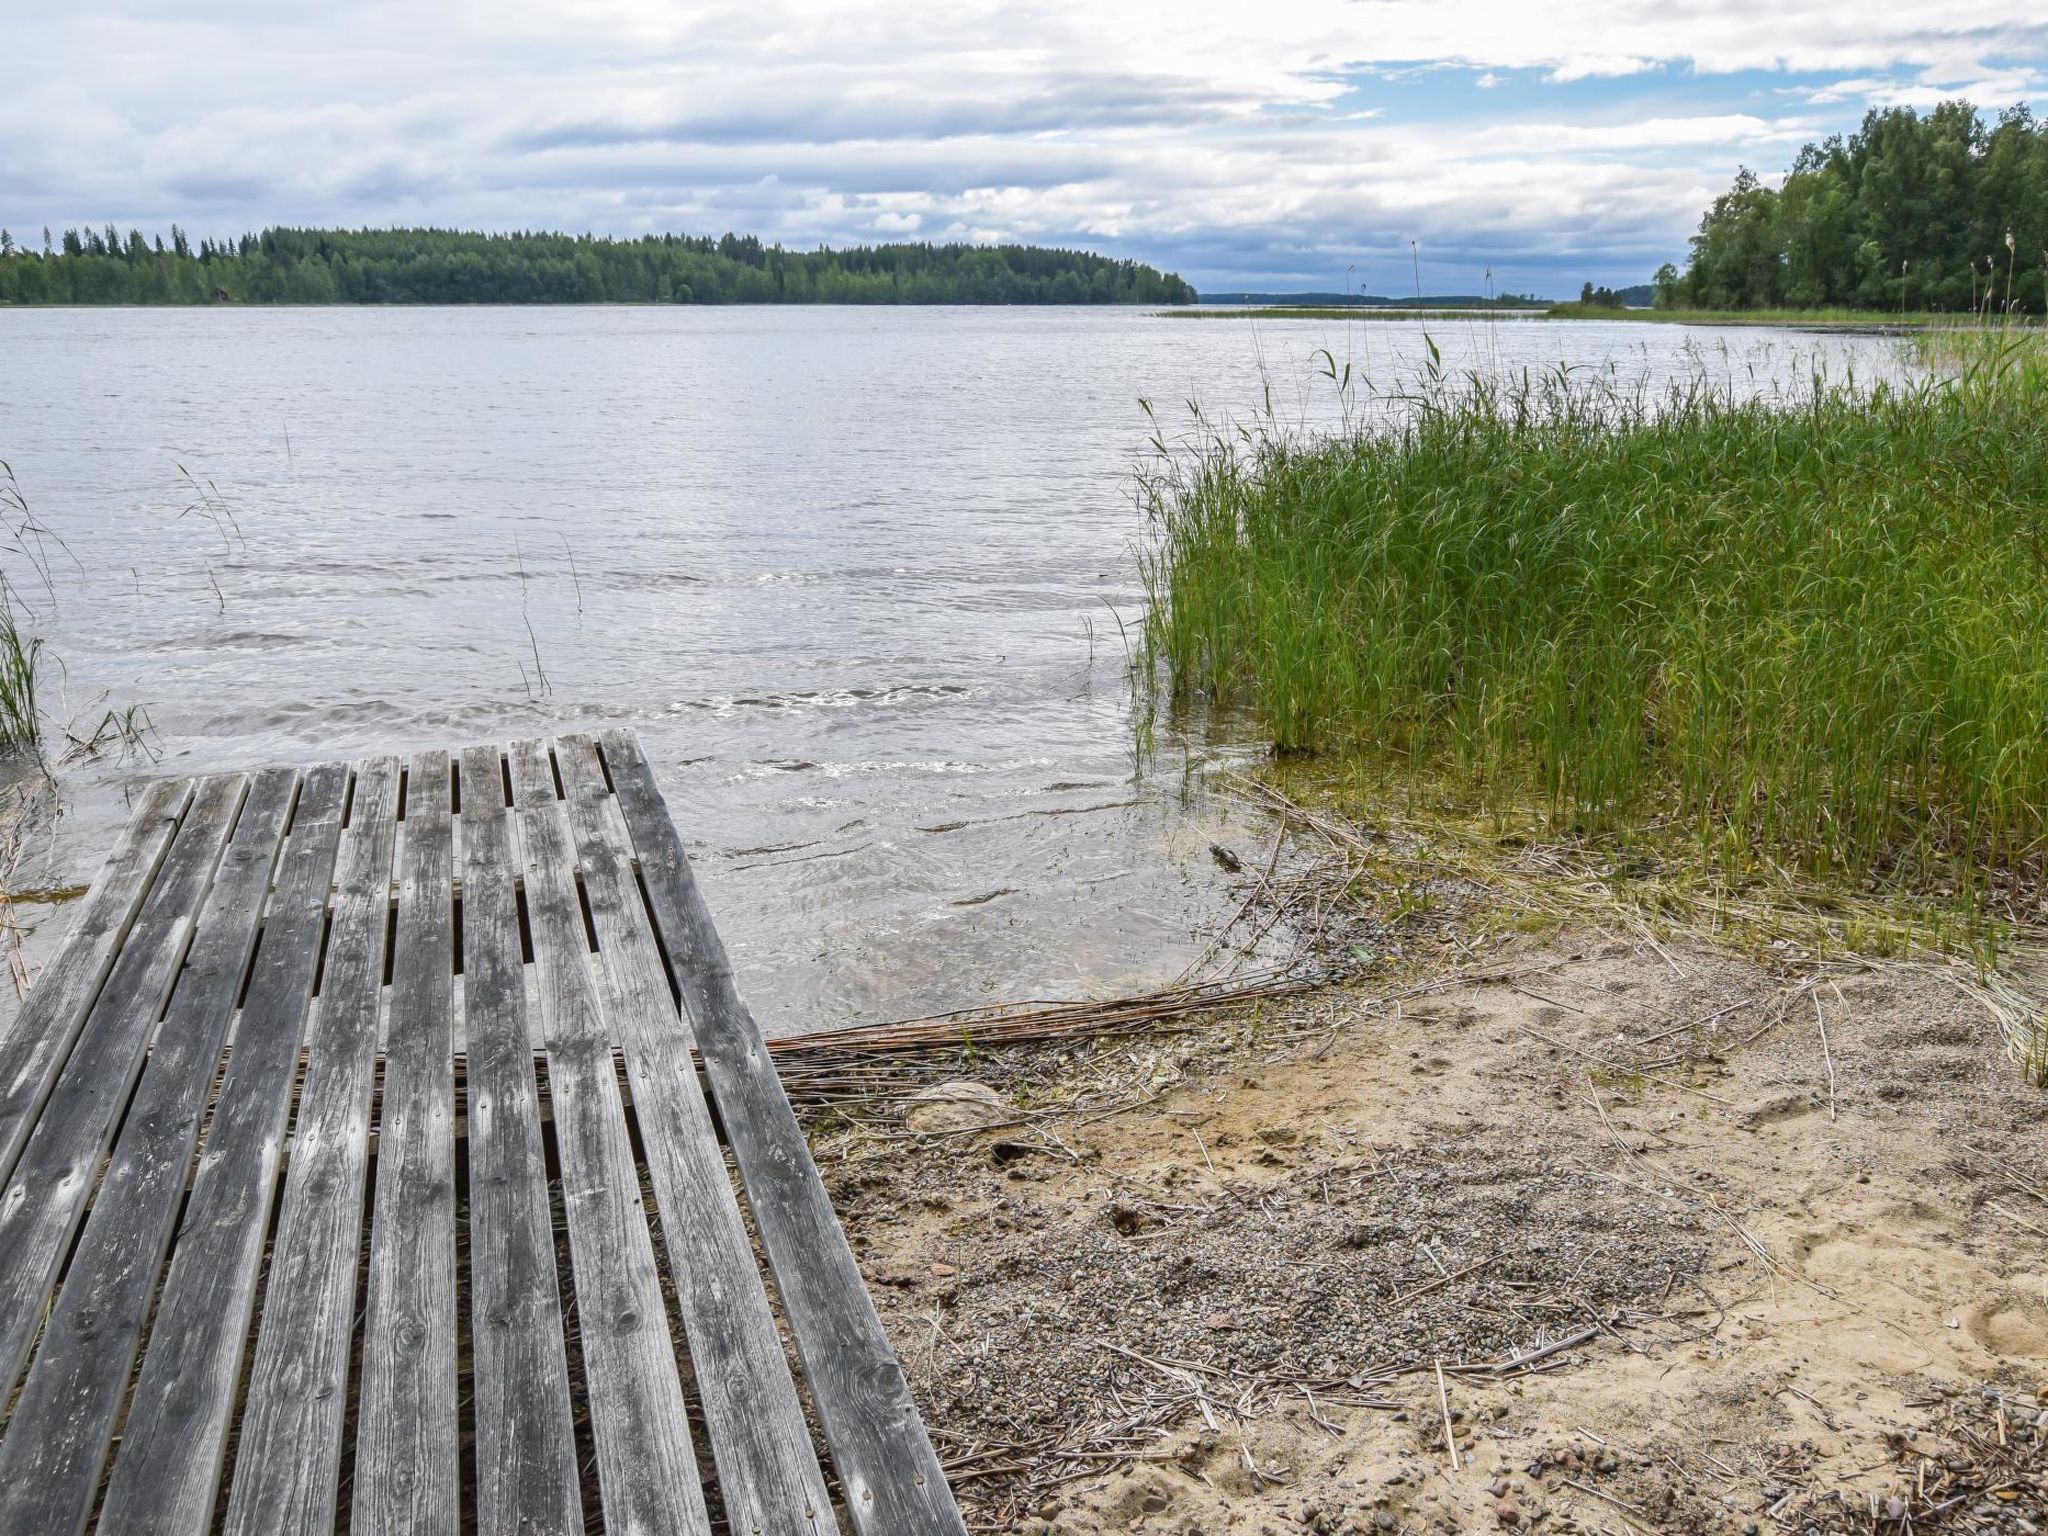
1814 631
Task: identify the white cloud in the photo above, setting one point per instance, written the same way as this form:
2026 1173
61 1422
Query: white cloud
1591 66
1239 143
1997 88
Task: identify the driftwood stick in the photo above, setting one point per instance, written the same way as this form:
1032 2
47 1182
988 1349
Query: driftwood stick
1528 1358
1826 1051
1443 1398
1441 1281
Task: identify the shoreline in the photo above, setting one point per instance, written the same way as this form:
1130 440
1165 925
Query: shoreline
1825 321
1733 1273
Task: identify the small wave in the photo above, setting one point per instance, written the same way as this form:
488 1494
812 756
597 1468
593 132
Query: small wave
937 765
803 858
986 897
1052 810
643 581
233 640
722 706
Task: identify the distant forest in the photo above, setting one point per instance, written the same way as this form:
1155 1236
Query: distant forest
433 266
1635 296
1921 213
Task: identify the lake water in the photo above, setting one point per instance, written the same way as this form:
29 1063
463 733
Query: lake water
857 577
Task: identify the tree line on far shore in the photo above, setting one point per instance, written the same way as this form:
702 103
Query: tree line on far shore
1910 212
434 266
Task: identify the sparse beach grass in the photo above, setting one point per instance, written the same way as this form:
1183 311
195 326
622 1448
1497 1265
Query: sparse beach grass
1802 638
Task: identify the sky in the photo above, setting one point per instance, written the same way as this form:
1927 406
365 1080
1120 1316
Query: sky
1282 144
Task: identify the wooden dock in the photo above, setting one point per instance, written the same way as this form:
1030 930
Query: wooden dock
358 1177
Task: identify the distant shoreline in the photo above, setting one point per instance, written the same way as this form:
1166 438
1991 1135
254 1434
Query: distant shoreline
1806 319
1856 321
1354 312
442 266
266 306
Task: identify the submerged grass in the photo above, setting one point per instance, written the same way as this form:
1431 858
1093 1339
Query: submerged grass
1806 634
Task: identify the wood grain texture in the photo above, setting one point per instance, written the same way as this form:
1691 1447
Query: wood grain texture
878 1443
526 1473
57 1439
116 1201
168 1472
288 1458
47 1192
34 1050
408 1436
647 1471
768 1473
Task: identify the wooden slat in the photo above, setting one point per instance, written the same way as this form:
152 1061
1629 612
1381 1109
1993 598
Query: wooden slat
884 1458
767 1470
168 1471
69 1077
526 1474
288 1458
56 1442
647 1473
408 1437
52 1179
34 1050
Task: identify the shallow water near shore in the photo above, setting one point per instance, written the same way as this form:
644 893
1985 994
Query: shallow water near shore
860 578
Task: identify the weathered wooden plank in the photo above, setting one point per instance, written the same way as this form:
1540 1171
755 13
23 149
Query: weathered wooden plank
526 1472
33 1051
288 1458
767 1470
54 1176
167 1474
884 1458
408 1436
56 1442
647 1472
